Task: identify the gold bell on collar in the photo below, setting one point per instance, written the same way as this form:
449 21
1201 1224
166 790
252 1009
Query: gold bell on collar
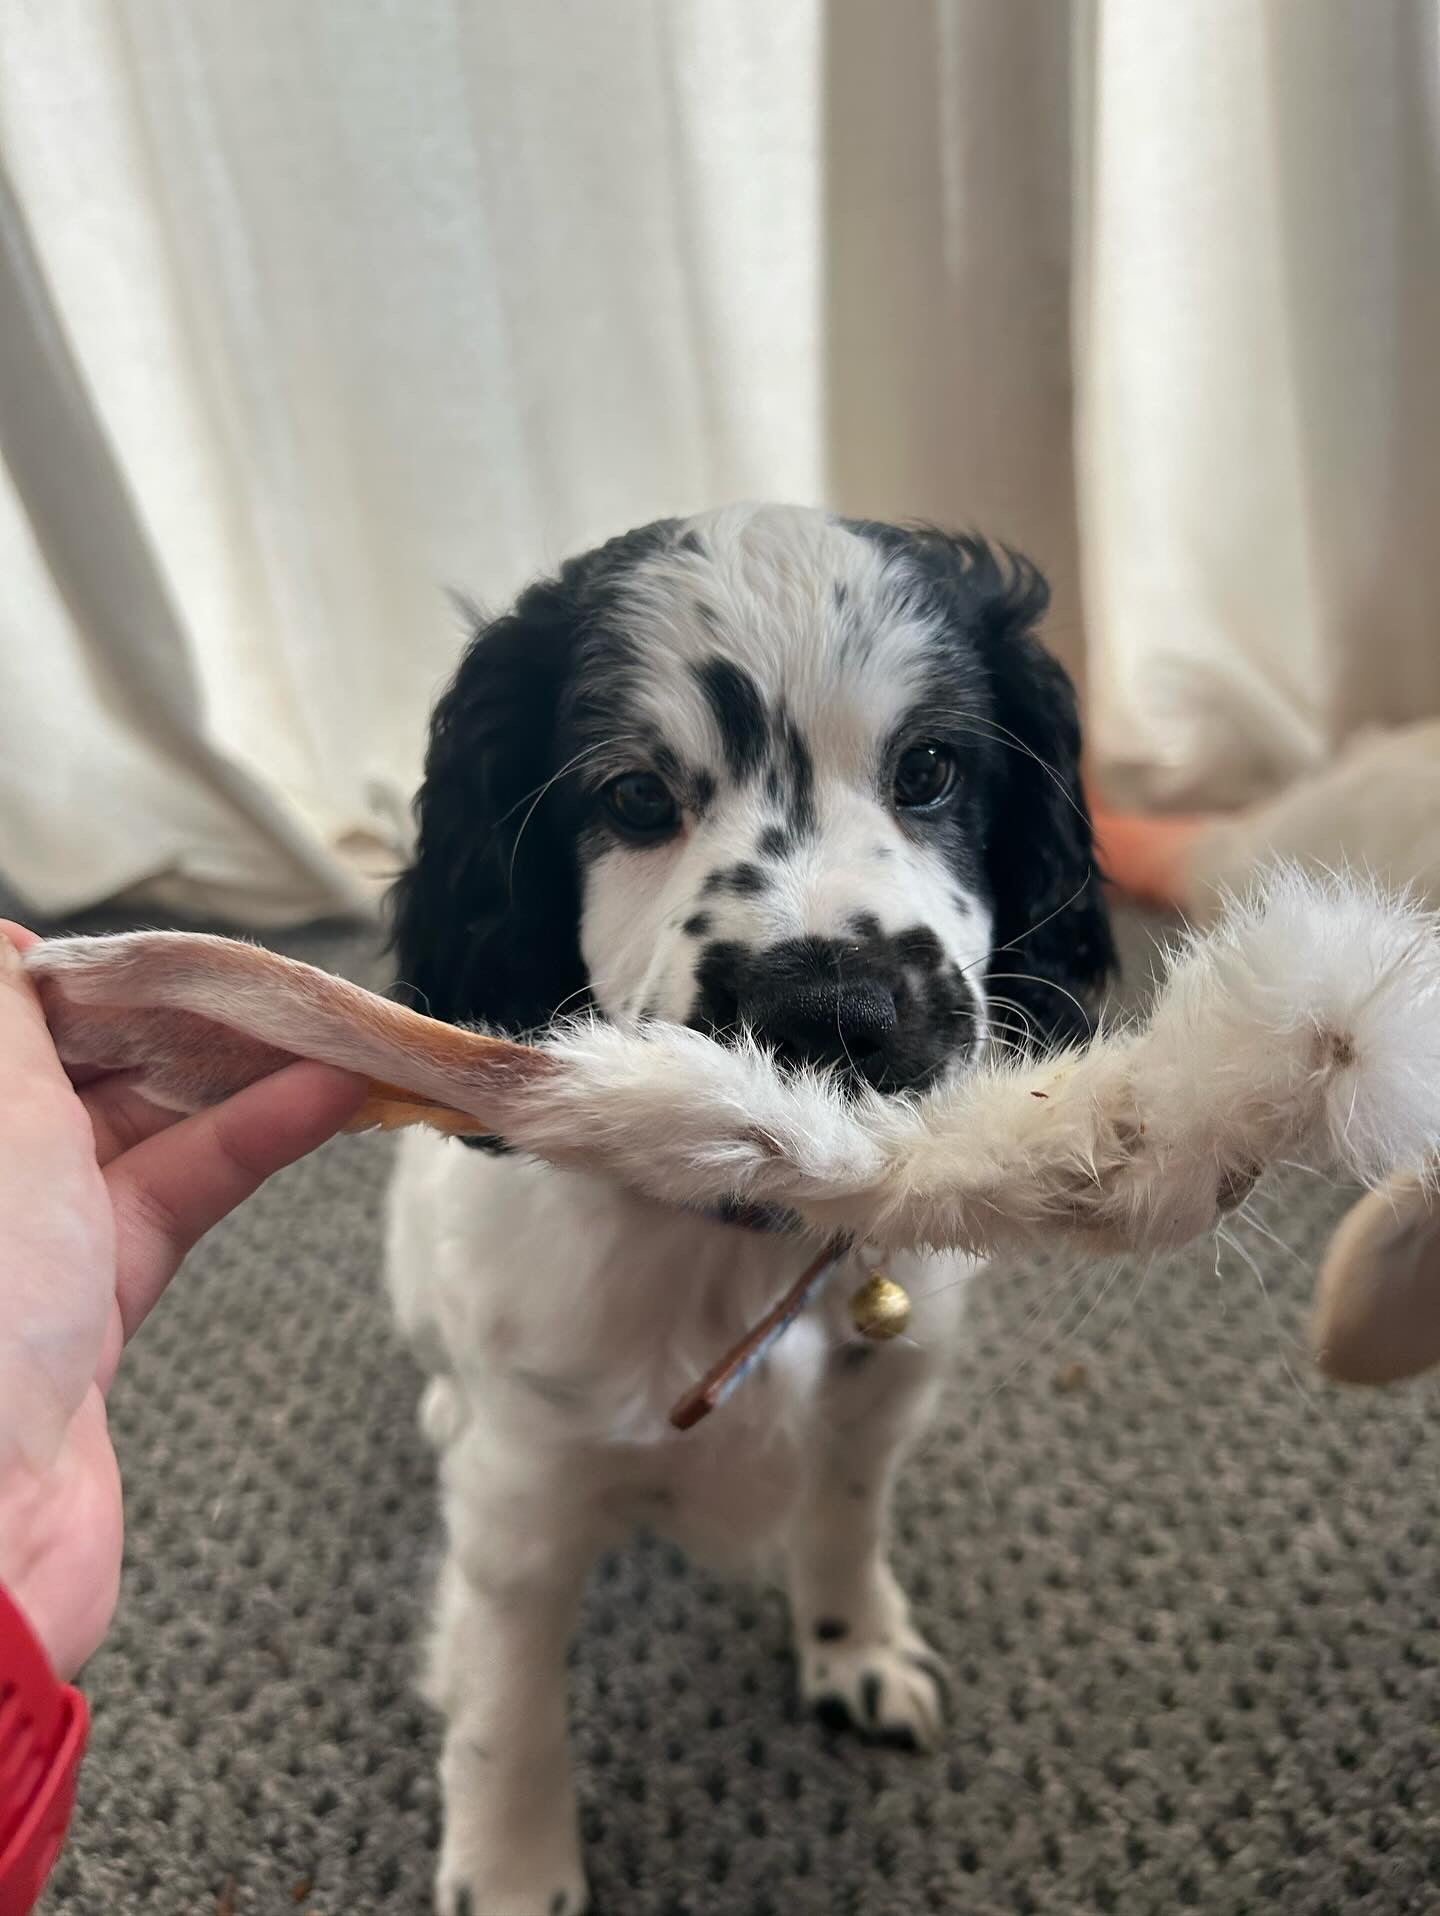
881 1307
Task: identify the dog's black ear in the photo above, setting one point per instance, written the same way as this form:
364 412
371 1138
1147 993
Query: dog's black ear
1052 950
486 921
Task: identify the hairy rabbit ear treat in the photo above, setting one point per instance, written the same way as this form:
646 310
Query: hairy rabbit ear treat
1305 1022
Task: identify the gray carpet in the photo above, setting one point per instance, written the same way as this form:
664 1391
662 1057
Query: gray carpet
1190 1598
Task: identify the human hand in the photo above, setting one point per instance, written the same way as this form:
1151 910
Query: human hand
102 1194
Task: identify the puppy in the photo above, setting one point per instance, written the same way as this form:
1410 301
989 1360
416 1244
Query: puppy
762 770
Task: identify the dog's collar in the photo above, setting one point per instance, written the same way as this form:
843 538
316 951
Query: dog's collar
768 1218
880 1309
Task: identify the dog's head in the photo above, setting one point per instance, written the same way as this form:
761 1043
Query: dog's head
764 769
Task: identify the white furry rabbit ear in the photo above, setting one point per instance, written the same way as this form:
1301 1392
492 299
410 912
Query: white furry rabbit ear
190 1019
1306 1023
1377 1305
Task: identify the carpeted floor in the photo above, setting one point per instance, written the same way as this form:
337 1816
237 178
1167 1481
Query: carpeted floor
1190 1597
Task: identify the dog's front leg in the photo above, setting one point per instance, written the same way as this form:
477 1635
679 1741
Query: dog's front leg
861 1661
508 1597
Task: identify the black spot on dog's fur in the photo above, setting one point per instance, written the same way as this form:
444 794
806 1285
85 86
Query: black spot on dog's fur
830 1630
717 1004
665 761
753 1217
690 541
738 711
697 924
744 880
832 1713
797 774
872 1689
854 1357
776 841
921 947
865 924
933 1668
464 1903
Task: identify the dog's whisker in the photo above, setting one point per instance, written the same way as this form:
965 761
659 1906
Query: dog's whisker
1023 1045
1051 984
537 797
1282 1337
1039 924
1147 1265
985 727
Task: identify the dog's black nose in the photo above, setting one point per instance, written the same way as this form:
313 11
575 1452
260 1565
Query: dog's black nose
888 1012
821 1021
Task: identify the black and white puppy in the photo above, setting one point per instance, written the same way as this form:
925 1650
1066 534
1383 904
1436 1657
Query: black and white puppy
760 769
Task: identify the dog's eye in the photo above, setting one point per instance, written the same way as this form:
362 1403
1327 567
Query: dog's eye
924 775
641 805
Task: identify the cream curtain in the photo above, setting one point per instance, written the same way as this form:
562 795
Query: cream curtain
314 311
309 311
1258 344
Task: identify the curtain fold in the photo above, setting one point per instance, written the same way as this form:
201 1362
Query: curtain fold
947 241
111 654
1259 476
310 314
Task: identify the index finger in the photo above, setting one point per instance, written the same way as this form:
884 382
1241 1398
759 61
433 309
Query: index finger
170 1189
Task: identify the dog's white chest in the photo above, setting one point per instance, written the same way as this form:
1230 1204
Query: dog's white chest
557 1311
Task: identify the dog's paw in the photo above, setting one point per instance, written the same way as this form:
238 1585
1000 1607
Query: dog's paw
892 1690
551 1891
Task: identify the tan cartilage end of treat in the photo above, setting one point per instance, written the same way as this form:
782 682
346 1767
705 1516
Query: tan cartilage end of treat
191 1019
1377 1304
388 1108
